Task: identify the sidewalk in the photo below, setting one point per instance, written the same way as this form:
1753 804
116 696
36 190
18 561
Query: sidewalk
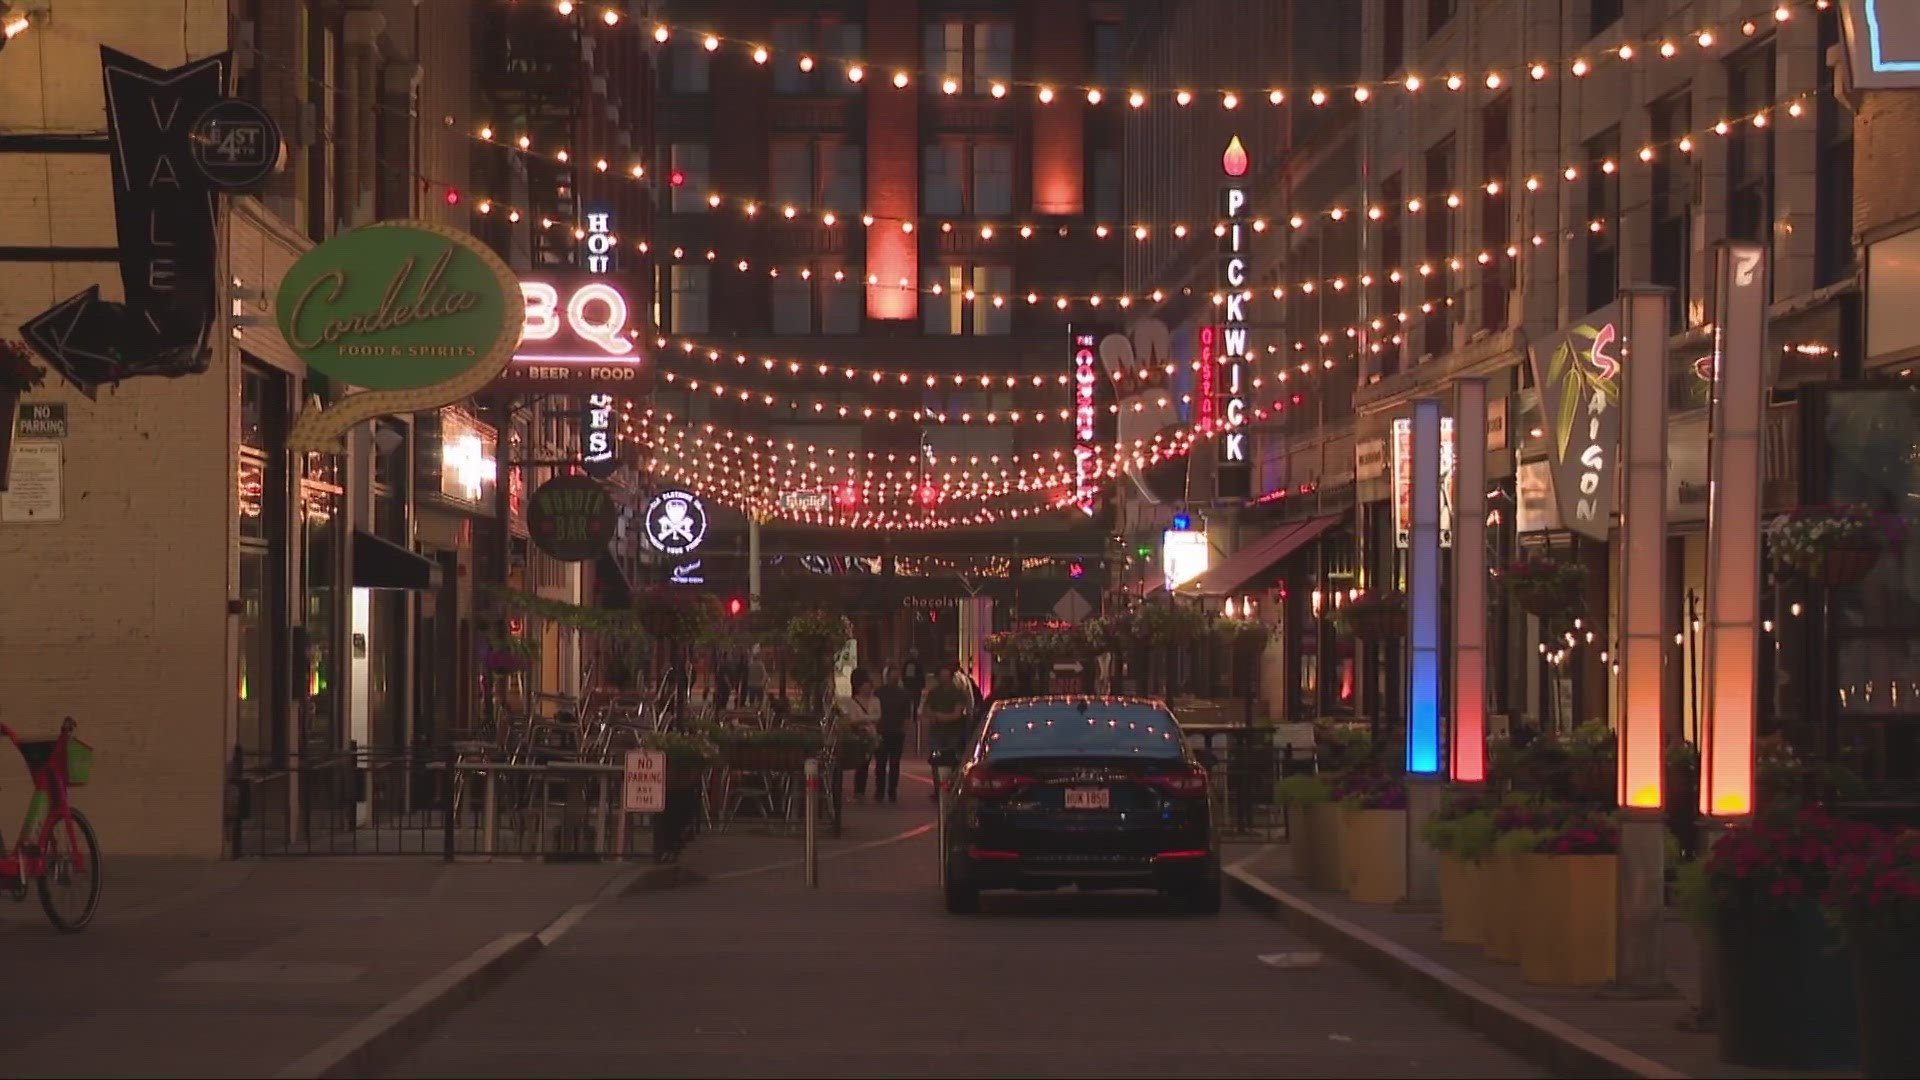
1584 1032
241 968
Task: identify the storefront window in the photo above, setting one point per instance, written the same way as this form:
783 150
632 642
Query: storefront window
322 519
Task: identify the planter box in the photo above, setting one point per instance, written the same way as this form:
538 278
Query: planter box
1325 822
1886 977
1786 989
768 758
1571 919
1505 907
1463 901
1300 843
1373 855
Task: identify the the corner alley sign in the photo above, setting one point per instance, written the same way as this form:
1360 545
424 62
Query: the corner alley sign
1234 474
1883 43
676 521
420 314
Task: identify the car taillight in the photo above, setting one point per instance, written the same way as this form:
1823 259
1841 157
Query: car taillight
1193 782
980 780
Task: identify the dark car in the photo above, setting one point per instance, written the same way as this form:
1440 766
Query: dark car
1094 792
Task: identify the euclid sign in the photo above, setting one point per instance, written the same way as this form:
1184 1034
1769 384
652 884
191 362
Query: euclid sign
1234 474
1086 464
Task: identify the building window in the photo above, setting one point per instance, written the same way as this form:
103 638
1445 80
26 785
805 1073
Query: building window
960 177
691 299
689 68
843 176
791 41
1393 35
993 178
1436 329
970 301
942 178
975 55
1750 149
1109 54
841 303
1496 163
1106 168
1603 219
832 45
1833 256
1393 254
793 303
690 161
790 165
1439 13
1671 237
1603 14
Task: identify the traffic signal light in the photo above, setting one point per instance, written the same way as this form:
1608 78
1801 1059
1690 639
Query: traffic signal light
735 607
678 178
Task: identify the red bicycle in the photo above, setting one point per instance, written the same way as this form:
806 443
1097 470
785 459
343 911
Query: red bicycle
57 849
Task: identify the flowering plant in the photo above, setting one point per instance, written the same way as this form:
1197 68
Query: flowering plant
1380 613
1545 585
18 372
1880 885
1370 792
1464 824
1581 834
1803 538
1771 864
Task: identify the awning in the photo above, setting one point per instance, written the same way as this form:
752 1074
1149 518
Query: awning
1255 559
383 564
614 591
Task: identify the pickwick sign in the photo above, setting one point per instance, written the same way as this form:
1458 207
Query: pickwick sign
418 314
1235 474
1578 373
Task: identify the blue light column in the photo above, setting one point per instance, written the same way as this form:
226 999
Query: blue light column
1423 595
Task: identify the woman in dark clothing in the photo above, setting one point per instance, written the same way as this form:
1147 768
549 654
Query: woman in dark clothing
896 711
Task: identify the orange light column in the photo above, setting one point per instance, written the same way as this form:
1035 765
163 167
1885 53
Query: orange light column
1732 640
1467 746
1640 700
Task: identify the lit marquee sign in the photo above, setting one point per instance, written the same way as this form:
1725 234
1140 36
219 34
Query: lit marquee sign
580 337
1184 555
1403 481
600 249
1234 473
597 442
1086 428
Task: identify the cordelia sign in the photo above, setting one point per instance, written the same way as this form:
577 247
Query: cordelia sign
572 518
1578 373
419 314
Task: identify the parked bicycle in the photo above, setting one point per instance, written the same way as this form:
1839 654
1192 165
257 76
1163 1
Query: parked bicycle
56 848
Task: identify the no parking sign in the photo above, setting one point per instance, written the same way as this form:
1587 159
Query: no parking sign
645 787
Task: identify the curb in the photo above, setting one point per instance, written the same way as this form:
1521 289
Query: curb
391 1033
1555 1044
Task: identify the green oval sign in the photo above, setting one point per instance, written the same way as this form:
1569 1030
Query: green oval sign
399 305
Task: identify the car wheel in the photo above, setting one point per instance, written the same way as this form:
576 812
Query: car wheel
962 899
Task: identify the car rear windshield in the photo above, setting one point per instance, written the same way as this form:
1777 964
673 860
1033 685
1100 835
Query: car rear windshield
1065 729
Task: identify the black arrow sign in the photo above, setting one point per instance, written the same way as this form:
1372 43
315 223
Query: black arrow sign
164 214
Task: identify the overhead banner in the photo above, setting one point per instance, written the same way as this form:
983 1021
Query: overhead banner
1233 380
1883 43
419 314
1578 373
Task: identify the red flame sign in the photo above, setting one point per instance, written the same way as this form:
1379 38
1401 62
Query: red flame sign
1234 161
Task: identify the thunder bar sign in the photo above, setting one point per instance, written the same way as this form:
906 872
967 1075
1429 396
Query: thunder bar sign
1086 426
1234 475
1883 43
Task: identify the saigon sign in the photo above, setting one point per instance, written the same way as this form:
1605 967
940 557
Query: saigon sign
1578 373
417 314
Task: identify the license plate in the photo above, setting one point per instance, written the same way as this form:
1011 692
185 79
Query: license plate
1088 798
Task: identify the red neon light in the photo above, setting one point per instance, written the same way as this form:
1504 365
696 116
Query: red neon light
1234 161
1208 359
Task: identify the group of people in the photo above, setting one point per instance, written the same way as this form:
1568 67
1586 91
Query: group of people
739 676
950 700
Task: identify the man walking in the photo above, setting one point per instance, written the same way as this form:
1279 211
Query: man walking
913 677
896 707
948 716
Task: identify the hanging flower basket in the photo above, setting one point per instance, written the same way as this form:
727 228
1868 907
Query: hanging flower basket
1834 546
1374 616
1546 587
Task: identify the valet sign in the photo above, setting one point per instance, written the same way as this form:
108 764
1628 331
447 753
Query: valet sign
1235 475
1086 464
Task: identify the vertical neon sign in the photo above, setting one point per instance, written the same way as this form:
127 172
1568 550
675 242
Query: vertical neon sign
1467 749
1423 600
1203 393
1643 559
1086 465
1235 474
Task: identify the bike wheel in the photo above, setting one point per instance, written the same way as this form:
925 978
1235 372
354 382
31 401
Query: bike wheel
71 878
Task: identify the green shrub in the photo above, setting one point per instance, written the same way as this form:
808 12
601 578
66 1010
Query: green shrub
1302 790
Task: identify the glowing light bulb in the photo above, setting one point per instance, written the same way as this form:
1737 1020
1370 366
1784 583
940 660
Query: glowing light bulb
661 33
1136 99
1093 96
1184 97
1046 95
760 54
712 43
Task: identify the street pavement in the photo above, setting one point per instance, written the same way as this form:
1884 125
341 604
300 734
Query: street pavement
751 974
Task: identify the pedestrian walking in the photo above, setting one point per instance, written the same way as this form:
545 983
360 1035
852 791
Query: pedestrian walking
948 713
756 678
913 676
896 709
857 712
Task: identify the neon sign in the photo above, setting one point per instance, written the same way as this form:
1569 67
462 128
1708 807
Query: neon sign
1086 466
596 424
579 337
1235 474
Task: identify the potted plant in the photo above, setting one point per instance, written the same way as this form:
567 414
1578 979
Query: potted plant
1378 615
1462 832
1373 837
814 641
1571 883
1312 849
1786 990
783 749
1519 825
1545 586
18 374
1593 774
1833 546
1875 896
689 753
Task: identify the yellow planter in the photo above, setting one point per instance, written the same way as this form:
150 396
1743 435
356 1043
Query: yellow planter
1324 822
1463 901
1374 855
1300 843
1505 907
1569 932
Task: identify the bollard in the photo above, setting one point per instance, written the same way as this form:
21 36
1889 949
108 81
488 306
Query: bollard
812 818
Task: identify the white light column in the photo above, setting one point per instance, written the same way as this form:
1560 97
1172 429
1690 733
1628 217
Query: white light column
1732 644
1640 720
1424 762
1467 748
